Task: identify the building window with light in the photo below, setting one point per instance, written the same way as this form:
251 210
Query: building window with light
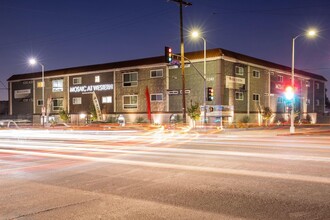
158 97
308 84
106 99
279 78
57 104
76 100
130 101
39 84
239 70
97 79
239 96
256 74
156 73
130 79
40 102
255 97
308 101
57 85
76 80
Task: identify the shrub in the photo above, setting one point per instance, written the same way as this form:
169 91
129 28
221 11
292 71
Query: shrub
140 120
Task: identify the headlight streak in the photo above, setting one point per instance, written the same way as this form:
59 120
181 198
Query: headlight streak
295 177
140 150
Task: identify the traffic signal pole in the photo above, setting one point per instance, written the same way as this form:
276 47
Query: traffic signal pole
181 2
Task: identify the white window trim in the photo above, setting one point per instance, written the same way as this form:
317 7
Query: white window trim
256 71
58 89
156 94
137 79
156 71
39 100
237 72
239 98
137 101
317 85
57 106
256 94
74 101
76 78
317 102
97 79
106 97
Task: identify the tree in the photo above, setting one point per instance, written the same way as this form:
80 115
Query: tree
194 112
267 114
64 116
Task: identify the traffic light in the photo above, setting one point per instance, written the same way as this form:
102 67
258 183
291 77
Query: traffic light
209 94
289 93
168 54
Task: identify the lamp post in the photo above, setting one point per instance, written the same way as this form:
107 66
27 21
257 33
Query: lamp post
310 33
195 34
33 61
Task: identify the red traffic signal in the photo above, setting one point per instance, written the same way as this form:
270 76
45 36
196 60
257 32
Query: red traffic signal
210 94
168 54
289 93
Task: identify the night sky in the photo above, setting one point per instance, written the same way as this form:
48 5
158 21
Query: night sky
69 33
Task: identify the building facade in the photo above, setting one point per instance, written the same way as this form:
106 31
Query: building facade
243 83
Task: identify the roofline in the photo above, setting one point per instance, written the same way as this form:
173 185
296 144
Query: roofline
216 52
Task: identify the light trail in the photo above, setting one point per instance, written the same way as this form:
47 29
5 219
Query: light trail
262 174
143 150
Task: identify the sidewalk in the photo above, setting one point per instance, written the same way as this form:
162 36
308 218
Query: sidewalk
269 131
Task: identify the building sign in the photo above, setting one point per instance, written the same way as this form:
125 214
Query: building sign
177 92
218 110
234 82
91 88
22 93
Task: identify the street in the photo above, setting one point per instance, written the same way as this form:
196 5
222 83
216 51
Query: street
157 174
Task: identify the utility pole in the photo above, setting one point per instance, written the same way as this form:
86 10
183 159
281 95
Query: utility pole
185 3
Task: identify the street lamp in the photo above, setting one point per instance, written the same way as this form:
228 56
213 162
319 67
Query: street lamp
309 33
195 34
33 61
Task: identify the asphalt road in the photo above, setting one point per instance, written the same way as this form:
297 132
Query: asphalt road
163 175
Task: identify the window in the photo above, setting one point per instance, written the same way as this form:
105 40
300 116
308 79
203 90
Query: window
130 79
106 99
97 79
317 102
239 95
39 84
317 85
308 84
239 70
255 97
76 80
280 100
158 97
130 101
57 104
76 100
40 102
308 101
57 85
156 73
256 74
279 78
